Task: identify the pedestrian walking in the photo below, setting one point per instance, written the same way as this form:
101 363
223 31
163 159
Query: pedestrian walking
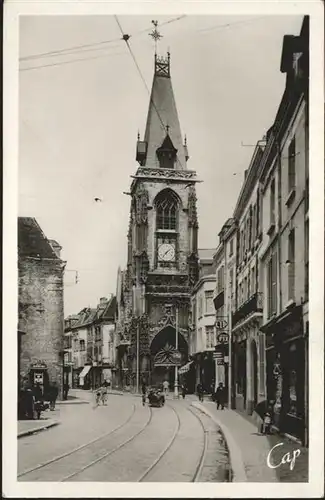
103 394
213 391
144 392
166 387
66 388
220 396
199 389
97 396
183 389
53 394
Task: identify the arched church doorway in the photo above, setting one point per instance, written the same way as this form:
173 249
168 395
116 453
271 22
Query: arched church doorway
161 356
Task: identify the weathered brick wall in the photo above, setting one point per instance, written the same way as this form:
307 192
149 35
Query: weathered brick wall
42 315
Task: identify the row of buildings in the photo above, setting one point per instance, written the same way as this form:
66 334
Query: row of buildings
89 345
260 286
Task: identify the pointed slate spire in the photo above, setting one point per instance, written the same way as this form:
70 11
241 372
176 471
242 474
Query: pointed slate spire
162 112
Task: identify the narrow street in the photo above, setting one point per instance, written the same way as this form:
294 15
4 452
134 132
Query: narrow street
126 442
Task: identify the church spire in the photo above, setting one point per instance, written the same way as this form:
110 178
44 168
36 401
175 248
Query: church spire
162 112
162 119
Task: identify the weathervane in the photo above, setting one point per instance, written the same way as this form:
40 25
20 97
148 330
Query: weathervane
155 35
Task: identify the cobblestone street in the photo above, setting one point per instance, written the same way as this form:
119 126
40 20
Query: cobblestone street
125 441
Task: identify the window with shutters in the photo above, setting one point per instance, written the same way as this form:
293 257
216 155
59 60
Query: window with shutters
220 279
291 265
272 203
231 247
209 307
209 337
252 281
200 311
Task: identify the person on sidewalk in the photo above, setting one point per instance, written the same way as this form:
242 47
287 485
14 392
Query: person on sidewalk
213 391
166 387
143 392
199 389
103 394
220 396
66 388
53 394
183 388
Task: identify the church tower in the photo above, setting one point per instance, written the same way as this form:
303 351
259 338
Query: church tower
162 263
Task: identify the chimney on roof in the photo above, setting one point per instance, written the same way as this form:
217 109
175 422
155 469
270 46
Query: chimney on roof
56 247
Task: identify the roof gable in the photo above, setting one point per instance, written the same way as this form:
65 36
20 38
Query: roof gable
32 242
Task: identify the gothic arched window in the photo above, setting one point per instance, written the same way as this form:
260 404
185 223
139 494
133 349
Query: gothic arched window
167 210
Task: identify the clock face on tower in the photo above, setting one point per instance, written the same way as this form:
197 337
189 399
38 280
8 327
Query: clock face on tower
166 252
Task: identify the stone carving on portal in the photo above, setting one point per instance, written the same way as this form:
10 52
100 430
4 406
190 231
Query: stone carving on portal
165 173
141 201
192 212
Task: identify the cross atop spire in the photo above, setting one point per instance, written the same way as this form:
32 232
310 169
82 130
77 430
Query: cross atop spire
155 35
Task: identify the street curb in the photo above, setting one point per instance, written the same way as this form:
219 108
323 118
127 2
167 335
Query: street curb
235 455
79 402
37 429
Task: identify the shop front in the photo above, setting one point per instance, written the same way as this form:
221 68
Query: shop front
286 384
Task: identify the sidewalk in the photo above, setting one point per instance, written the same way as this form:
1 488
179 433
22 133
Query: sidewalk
27 427
249 450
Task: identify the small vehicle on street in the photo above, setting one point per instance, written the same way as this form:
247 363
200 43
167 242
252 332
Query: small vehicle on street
156 398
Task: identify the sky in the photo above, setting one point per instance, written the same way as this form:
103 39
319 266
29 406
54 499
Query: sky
78 124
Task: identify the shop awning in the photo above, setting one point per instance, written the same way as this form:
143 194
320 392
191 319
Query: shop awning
84 371
185 368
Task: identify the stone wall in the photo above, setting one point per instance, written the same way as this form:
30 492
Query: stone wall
42 316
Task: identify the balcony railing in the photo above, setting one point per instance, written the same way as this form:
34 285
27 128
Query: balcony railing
253 305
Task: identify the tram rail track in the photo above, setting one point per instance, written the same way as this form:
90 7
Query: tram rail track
78 448
205 446
107 454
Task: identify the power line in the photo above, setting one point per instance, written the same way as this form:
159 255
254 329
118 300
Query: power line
60 52
69 62
228 25
125 37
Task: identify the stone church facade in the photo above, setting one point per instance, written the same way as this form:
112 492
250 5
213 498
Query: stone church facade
154 290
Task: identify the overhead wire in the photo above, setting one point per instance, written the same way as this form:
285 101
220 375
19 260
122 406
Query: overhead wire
71 61
143 79
60 52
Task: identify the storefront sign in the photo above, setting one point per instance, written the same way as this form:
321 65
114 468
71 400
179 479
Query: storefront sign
221 323
38 378
223 338
217 355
